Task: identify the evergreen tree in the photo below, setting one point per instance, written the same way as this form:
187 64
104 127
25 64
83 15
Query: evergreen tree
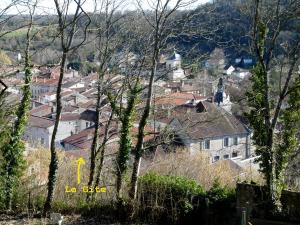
12 152
274 127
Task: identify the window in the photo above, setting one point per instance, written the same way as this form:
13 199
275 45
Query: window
235 140
86 124
42 141
201 145
234 154
216 158
226 156
207 144
226 142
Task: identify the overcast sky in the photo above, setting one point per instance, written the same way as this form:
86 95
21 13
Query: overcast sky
47 6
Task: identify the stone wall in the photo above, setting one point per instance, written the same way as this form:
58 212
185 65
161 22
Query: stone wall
254 199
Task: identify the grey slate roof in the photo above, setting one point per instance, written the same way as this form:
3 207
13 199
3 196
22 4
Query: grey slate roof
213 123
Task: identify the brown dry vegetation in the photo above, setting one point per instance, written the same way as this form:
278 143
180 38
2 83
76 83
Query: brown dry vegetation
35 180
195 167
199 168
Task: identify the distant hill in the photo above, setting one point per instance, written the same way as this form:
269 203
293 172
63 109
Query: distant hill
195 33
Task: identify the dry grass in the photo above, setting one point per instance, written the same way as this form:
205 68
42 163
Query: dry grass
199 168
36 175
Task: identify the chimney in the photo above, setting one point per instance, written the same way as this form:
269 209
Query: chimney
193 101
89 136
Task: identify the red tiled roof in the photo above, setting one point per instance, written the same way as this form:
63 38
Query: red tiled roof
67 92
41 110
13 81
69 116
42 122
177 99
46 82
70 108
149 134
83 140
89 104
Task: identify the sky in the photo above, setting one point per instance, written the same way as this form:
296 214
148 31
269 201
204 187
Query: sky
48 7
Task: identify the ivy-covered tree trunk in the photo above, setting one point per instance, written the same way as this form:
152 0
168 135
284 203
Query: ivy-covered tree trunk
260 115
140 138
288 141
273 145
12 153
125 143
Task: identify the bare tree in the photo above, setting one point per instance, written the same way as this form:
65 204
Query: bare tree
106 19
68 27
162 12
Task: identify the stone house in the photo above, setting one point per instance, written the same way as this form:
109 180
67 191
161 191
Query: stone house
206 127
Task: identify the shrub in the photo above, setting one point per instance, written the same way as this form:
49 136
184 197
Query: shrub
178 200
221 201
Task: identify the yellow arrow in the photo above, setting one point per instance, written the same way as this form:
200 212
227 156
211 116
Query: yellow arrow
79 162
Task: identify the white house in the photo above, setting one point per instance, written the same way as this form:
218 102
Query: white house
229 70
173 66
39 129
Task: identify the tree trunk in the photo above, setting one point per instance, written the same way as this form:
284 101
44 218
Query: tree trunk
134 178
54 159
95 142
102 151
125 139
142 124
